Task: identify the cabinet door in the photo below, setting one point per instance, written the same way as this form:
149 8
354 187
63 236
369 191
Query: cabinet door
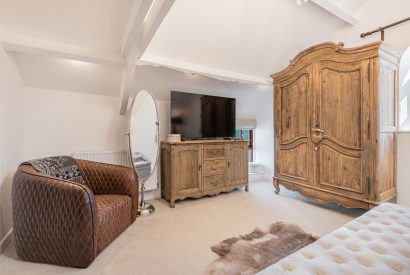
237 163
187 169
293 114
342 127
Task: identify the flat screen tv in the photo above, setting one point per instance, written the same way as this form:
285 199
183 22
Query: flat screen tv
197 116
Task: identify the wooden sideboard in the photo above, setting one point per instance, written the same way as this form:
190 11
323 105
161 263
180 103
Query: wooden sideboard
192 169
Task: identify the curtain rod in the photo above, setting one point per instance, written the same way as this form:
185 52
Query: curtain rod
381 29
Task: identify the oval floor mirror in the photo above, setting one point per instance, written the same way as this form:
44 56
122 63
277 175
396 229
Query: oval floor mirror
144 142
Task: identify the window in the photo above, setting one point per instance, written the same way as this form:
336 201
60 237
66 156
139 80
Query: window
404 92
246 134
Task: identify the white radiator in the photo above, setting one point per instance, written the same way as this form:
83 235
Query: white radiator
119 157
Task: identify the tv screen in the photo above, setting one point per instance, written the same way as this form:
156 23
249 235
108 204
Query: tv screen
197 116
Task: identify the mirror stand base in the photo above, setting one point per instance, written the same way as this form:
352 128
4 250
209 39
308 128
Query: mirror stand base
145 210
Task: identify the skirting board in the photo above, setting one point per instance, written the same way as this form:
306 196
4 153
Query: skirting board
4 243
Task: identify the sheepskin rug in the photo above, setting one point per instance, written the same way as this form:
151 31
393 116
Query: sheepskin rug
253 252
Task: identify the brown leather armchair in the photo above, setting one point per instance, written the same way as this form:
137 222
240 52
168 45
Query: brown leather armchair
66 223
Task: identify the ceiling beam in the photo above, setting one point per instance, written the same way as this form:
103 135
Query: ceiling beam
215 73
137 38
337 11
1 31
158 12
127 80
54 49
134 24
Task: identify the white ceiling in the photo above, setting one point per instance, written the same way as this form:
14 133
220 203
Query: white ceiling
250 38
351 6
68 75
237 40
96 24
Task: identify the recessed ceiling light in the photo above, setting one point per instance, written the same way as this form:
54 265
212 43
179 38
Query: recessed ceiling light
78 62
190 74
300 2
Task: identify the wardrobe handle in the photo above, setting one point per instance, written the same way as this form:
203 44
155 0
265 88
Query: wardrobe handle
317 135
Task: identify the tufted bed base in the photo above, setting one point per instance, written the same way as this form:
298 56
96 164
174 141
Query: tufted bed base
378 242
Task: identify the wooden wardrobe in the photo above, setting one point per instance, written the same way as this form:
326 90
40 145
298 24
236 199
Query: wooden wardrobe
335 116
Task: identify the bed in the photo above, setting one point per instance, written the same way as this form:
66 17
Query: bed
378 242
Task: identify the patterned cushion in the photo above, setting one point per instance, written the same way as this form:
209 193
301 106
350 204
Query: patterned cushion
378 242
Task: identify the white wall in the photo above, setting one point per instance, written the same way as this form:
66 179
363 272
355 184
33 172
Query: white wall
403 171
251 101
63 122
264 137
11 134
160 81
403 138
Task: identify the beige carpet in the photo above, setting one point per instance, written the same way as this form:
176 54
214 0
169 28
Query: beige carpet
178 241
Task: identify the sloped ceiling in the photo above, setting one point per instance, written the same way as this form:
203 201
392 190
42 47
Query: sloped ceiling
68 75
96 24
236 40
248 39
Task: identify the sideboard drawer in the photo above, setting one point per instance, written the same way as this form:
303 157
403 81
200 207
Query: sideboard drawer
214 151
212 167
214 181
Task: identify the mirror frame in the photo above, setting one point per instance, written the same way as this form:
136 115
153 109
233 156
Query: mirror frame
157 139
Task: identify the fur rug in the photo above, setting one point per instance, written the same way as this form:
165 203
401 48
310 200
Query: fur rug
253 252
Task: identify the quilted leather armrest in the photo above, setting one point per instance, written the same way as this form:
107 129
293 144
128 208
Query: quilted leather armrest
54 220
106 179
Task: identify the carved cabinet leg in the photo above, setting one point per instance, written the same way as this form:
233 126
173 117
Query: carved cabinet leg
276 185
247 188
172 203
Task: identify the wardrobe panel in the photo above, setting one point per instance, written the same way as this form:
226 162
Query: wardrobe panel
340 170
294 109
341 104
294 162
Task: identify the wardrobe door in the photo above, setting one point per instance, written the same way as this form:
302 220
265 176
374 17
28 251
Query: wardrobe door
293 107
341 128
